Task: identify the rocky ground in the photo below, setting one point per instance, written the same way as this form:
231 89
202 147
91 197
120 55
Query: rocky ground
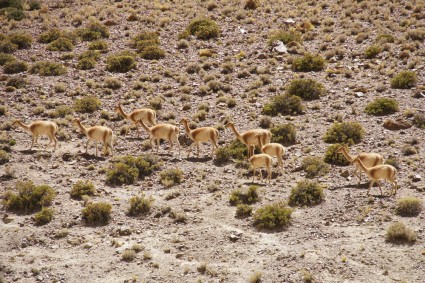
339 240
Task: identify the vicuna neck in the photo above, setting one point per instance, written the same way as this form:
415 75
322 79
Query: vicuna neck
23 126
347 155
232 127
122 112
186 126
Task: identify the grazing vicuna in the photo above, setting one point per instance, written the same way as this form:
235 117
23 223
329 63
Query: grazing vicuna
163 131
40 128
204 134
368 159
261 160
273 149
379 172
147 115
97 133
250 139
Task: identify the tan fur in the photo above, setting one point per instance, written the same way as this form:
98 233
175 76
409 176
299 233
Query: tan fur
204 134
97 133
147 115
40 128
379 172
273 149
163 131
369 160
261 160
250 139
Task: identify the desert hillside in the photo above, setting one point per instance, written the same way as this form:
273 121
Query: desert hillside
327 87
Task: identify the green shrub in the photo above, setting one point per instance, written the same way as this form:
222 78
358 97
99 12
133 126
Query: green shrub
14 14
7 47
5 58
153 37
152 53
4 157
97 213
34 5
285 36
17 4
87 104
171 177
306 89
61 44
17 82
3 110
285 134
306 193
44 216
243 210
29 197
285 105
419 120
251 4
400 233
82 188
345 132
45 68
100 45
382 106
120 64
409 206
314 166
92 54
112 83
122 173
21 39
203 28
93 31
416 34
54 34
273 216
404 80
308 63
140 205
15 67
235 150
332 157
249 197
128 255
129 168
372 51
61 111
86 64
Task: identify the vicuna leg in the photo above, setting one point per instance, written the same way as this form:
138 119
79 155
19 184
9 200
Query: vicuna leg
95 144
370 186
379 185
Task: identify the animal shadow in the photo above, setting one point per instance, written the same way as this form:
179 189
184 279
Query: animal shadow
198 159
88 156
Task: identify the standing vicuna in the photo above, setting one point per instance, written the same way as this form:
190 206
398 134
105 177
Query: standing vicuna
273 149
204 134
379 172
147 115
97 133
162 131
368 159
261 160
250 138
40 128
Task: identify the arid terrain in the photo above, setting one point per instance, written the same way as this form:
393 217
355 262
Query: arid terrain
191 233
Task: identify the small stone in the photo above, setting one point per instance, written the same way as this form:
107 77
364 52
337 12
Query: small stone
359 94
345 174
262 56
416 178
8 219
179 255
124 231
398 124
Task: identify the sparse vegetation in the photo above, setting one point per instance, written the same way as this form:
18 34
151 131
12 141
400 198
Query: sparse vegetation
285 134
382 106
345 132
306 89
243 210
21 39
203 29
98 213
399 233
285 36
4 157
314 166
120 64
249 197
419 120
170 177
308 63
140 205
29 197
404 80
273 216
306 193
285 105
87 104
61 44
409 206
372 51
44 216
15 67
82 188
235 150
45 68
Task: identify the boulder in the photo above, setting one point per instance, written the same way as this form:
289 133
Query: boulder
398 124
